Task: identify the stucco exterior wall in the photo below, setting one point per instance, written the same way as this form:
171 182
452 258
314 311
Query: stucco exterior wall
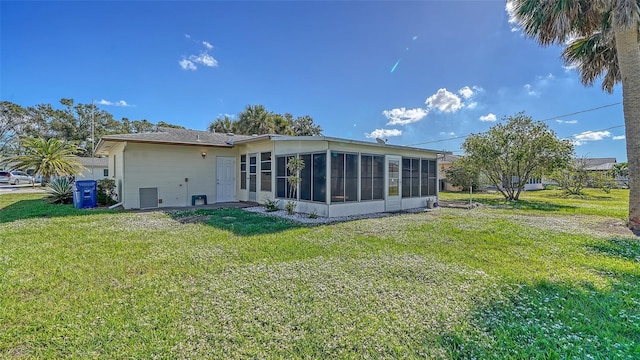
178 172
98 173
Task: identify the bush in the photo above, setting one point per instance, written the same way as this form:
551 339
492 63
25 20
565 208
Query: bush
290 207
106 192
271 205
60 191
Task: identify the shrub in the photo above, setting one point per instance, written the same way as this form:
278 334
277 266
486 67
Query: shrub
60 191
106 192
313 215
290 207
271 205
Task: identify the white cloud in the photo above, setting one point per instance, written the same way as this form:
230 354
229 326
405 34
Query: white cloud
619 137
569 67
204 59
511 11
187 65
404 116
567 121
121 103
591 136
447 133
444 101
488 117
383 133
472 105
466 92
529 90
191 62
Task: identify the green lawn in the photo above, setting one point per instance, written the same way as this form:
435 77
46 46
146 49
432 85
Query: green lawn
548 277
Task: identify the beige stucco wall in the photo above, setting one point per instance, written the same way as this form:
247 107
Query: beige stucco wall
177 171
98 173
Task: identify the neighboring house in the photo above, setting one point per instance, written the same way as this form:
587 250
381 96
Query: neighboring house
445 161
179 167
94 168
599 164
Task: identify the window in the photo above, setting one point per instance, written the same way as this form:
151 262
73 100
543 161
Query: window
265 171
283 187
105 172
371 177
320 177
410 177
243 172
313 179
344 177
428 177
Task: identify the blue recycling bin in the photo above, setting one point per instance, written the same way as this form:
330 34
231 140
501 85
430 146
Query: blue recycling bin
85 194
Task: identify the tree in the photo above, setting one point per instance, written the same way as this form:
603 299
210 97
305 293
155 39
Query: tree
509 155
304 126
12 119
463 174
223 125
606 41
295 165
620 172
256 119
48 158
573 178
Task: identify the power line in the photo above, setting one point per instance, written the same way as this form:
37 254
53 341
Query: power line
544 120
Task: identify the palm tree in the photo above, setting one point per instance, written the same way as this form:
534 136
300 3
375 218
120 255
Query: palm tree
255 119
47 157
223 125
606 43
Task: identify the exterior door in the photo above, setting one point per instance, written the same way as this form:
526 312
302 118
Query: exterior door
225 179
253 166
393 192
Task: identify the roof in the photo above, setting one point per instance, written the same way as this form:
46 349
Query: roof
166 135
448 158
95 162
598 164
276 137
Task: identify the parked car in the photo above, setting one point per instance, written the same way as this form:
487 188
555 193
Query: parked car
15 177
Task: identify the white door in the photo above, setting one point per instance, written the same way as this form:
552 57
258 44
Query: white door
393 192
225 179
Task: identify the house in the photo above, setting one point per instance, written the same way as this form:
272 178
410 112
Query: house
445 161
598 164
94 168
179 167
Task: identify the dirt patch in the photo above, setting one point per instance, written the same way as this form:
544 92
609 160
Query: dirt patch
614 227
193 219
458 204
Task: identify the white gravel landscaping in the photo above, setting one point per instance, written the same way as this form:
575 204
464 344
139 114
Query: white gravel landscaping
306 219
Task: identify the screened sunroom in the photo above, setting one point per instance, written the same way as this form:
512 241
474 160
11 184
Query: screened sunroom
340 177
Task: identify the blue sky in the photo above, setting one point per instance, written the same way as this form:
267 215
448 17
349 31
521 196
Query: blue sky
420 72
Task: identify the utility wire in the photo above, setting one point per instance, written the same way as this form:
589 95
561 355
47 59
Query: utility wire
544 120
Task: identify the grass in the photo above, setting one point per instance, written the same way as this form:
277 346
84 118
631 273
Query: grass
550 277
